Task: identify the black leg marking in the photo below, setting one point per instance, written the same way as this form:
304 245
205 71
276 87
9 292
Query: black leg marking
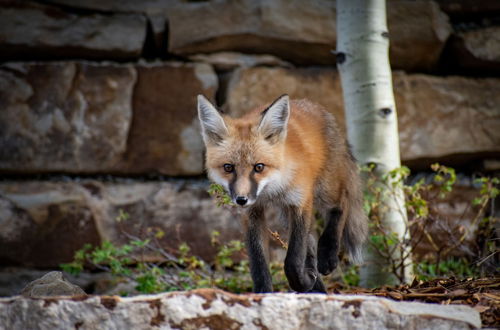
300 278
311 262
262 281
328 245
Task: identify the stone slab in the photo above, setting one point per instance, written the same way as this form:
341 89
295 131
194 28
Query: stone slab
42 224
86 117
64 116
215 309
302 32
475 52
35 31
164 135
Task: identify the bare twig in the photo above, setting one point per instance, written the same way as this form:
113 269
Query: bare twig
276 236
480 262
466 231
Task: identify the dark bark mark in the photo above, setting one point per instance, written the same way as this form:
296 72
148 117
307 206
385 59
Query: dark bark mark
385 112
340 58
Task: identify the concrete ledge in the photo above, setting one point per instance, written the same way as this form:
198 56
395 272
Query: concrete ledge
215 309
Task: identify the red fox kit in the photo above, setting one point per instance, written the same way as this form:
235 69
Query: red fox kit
292 155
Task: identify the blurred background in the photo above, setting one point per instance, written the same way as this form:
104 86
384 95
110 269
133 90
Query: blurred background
98 128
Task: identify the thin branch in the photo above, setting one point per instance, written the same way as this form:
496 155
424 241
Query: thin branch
276 236
466 231
479 263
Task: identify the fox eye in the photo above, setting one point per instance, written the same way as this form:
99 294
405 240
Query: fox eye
259 167
228 168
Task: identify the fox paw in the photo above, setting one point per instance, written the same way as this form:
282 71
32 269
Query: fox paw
318 287
301 281
326 264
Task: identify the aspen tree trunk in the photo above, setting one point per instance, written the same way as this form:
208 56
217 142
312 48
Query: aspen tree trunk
363 63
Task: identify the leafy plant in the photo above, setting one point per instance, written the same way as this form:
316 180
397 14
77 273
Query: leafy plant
220 195
350 277
181 270
420 200
452 267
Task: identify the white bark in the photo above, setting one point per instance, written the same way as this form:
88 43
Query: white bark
363 63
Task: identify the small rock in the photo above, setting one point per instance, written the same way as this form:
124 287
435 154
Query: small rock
51 284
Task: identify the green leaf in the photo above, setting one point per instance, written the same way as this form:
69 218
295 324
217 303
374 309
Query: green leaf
140 243
477 201
122 216
73 268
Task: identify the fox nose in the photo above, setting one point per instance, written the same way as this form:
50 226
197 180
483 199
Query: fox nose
241 200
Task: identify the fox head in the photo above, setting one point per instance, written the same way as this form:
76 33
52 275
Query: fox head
245 155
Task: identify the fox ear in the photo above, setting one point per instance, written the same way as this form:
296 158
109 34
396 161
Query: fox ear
213 128
274 122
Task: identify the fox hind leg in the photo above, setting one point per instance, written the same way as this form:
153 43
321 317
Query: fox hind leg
329 242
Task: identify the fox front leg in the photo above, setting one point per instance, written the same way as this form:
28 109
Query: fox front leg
300 277
311 263
261 277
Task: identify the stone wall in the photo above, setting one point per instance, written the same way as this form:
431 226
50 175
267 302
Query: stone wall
101 87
